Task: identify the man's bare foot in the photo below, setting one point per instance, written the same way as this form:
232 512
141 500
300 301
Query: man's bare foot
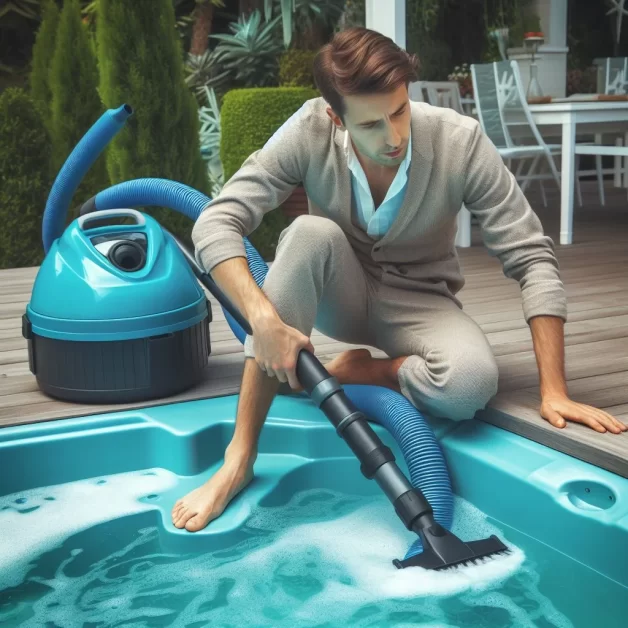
342 367
207 502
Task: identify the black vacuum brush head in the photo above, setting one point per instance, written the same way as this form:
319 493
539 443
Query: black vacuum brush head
444 550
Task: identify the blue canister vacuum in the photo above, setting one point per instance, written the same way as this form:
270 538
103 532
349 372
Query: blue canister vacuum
117 315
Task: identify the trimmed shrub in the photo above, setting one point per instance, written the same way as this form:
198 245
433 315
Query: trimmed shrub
76 104
296 68
141 64
249 117
25 179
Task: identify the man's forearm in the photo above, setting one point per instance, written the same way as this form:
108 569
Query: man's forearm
235 280
549 346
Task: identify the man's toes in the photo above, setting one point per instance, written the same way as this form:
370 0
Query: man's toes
182 517
198 522
177 512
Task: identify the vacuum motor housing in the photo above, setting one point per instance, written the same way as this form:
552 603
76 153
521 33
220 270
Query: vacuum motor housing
116 313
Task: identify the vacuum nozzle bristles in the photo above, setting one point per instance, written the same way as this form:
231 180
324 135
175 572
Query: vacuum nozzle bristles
443 550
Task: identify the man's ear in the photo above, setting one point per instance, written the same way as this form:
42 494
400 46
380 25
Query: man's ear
335 118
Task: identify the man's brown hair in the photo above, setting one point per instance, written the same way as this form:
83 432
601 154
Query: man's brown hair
361 61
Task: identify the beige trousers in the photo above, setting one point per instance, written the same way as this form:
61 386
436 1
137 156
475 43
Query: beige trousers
316 281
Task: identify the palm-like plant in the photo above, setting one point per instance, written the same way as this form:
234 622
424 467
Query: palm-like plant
305 13
205 71
250 53
209 133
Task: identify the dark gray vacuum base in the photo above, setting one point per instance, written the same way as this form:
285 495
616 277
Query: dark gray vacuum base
122 371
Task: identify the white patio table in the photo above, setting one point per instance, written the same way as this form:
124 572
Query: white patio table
584 114
577 116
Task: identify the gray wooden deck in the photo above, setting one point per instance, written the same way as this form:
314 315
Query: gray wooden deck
595 272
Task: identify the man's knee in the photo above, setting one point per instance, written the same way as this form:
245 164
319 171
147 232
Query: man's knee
464 386
311 232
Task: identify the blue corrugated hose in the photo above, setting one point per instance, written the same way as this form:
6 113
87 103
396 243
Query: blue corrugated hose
74 169
416 440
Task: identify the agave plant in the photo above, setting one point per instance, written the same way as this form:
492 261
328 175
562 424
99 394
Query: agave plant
209 117
250 53
304 13
205 71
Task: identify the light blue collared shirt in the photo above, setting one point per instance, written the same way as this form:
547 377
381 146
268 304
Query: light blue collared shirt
376 222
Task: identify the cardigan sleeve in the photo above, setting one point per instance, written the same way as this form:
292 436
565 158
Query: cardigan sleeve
264 181
511 230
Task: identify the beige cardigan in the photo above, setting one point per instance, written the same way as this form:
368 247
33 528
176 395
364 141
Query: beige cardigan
453 162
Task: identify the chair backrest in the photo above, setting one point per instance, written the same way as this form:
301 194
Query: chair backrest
415 91
437 93
502 106
444 94
616 75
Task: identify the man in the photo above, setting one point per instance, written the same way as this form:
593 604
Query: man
374 262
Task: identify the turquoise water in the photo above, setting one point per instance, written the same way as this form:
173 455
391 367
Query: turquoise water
90 554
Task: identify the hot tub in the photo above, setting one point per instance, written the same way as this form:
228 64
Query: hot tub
86 537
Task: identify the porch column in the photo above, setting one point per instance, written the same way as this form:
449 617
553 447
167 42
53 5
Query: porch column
552 57
389 18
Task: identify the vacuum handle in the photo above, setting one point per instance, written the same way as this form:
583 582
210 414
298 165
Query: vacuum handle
111 213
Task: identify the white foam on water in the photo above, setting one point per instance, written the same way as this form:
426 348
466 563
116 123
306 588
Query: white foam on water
337 571
74 507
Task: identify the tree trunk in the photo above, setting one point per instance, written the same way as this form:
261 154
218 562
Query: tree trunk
203 17
248 6
312 38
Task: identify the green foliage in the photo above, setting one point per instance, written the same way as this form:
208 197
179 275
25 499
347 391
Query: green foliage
250 53
354 14
426 38
25 179
141 65
424 15
301 15
249 117
43 52
296 68
76 104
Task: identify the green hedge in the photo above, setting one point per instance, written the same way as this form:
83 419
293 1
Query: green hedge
76 104
249 117
25 178
43 52
296 68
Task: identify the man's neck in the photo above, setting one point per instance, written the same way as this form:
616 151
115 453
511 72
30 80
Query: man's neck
373 169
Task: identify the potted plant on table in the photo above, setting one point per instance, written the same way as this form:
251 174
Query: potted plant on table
462 76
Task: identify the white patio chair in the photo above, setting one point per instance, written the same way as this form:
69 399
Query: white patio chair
447 94
415 91
615 82
444 94
503 112
616 75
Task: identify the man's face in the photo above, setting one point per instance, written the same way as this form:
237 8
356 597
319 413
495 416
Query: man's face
379 126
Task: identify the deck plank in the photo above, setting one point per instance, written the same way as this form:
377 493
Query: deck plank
596 338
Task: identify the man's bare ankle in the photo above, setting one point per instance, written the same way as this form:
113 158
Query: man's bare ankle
241 451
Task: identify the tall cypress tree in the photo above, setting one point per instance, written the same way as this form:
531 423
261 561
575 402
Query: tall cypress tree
43 51
24 178
76 104
141 64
